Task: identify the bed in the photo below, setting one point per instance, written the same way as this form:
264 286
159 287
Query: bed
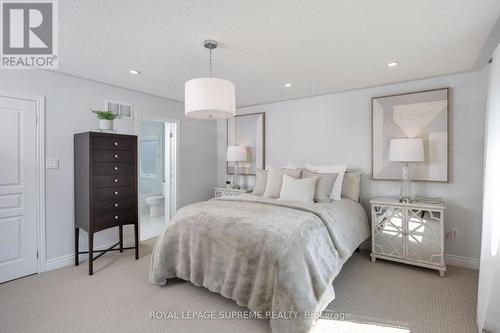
277 258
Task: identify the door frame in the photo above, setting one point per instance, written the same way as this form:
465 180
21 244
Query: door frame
148 116
40 171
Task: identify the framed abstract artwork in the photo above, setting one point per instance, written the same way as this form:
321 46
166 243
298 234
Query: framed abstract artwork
423 115
247 130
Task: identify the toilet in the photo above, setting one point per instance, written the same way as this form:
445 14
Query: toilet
156 204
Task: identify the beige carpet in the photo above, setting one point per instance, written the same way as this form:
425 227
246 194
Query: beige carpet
371 297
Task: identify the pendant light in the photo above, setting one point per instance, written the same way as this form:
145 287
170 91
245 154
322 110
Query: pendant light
208 97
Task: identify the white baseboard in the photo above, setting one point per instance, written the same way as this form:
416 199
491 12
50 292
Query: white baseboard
453 260
69 259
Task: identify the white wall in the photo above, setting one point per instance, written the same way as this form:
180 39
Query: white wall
489 275
68 100
336 128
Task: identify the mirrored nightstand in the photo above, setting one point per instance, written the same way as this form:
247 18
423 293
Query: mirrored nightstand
229 192
410 233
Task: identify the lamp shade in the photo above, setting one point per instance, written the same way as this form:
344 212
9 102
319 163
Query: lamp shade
209 98
406 150
236 154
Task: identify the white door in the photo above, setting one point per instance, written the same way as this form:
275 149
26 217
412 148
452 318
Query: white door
18 224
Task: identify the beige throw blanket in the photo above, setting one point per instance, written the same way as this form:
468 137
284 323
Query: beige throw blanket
274 257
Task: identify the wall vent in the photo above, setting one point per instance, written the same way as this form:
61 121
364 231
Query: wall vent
122 109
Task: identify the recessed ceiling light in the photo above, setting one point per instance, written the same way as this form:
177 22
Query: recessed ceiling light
393 64
288 85
134 72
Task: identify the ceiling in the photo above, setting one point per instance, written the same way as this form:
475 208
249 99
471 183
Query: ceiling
319 46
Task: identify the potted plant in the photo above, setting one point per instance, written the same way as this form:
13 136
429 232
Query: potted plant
228 184
105 119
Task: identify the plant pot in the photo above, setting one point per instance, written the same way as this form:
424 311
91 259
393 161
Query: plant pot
105 124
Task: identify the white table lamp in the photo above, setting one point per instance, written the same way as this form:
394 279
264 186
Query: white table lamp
405 151
236 154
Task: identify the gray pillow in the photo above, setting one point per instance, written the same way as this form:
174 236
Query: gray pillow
275 181
351 185
323 185
260 182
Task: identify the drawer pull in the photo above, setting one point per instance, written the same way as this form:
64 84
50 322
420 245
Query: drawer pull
116 217
115 143
115 156
115 180
116 193
116 205
116 168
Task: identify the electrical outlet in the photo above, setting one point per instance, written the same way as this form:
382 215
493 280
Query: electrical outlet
455 233
52 163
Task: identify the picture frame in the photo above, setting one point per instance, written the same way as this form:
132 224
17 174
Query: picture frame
247 130
423 114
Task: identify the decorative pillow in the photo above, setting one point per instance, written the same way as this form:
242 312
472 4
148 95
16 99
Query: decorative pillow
334 168
275 180
260 182
300 190
351 185
324 184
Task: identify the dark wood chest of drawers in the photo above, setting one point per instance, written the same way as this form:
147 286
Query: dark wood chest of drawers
105 188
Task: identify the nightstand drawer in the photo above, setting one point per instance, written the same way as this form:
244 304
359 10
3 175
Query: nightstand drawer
220 192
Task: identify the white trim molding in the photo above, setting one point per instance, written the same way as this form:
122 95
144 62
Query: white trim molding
60 262
453 260
40 128
40 172
174 188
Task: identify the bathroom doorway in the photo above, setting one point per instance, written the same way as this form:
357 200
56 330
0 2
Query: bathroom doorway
157 174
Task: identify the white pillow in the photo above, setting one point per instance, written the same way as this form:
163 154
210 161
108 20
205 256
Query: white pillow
333 168
275 181
300 190
260 182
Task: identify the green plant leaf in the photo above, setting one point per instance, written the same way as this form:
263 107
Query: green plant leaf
105 115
